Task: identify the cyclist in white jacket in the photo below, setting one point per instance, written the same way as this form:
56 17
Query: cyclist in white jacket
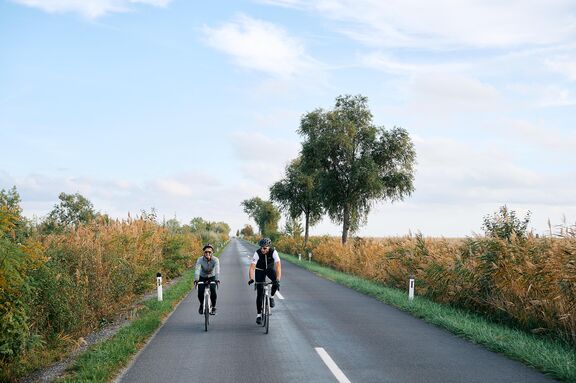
207 270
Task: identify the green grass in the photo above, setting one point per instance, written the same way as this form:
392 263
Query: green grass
102 362
554 358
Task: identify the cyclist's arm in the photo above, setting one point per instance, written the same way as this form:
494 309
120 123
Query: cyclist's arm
252 266
278 265
198 266
278 270
217 269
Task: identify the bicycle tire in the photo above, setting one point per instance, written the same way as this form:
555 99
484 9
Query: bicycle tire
268 317
206 312
267 314
264 311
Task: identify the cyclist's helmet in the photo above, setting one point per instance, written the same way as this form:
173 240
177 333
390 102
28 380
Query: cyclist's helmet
208 246
265 242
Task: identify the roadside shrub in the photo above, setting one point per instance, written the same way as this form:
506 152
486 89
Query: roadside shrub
505 225
17 263
178 253
14 332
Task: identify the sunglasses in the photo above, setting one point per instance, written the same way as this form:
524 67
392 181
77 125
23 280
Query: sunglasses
207 252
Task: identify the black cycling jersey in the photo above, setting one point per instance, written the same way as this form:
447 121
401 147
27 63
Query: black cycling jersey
265 261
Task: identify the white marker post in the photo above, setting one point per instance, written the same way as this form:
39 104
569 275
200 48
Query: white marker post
159 286
299 256
309 257
411 289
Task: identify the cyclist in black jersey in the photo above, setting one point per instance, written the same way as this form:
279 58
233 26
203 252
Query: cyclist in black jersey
265 262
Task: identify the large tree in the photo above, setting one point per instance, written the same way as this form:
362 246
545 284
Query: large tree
264 213
71 211
297 194
357 163
13 225
247 231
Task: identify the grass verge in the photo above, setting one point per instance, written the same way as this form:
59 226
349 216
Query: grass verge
102 362
553 358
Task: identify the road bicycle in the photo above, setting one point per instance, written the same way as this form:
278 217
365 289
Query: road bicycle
207 305
265 305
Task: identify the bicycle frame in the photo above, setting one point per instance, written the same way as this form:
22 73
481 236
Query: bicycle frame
265 305
207 305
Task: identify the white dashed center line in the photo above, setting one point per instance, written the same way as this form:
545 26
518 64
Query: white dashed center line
336 371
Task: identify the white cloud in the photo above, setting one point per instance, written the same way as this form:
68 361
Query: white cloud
447 23
261 158
556 96
284 3
281 120
387 63
565 66
173 187
547 138
451 94
260 45
187 195
454 173
185 185
89 8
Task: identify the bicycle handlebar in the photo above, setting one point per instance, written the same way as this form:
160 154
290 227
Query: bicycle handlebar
203 283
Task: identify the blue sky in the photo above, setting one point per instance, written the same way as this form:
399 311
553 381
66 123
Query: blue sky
192 107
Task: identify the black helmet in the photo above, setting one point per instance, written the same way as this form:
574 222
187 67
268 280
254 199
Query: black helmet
208 246
264 242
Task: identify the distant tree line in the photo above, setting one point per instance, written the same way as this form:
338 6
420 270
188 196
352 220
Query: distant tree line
210 232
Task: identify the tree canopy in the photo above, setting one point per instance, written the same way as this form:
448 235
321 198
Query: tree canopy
297 194
72 210
356 163
13 225
247 231
264 213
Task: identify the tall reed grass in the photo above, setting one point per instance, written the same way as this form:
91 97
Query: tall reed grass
58 287
527 282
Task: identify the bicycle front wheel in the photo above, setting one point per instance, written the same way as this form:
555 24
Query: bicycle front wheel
206 313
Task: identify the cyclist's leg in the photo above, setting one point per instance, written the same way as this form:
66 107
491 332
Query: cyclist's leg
201 290
259 276
213 295
271 273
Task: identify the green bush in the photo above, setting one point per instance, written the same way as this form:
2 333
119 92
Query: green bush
174 258
15 336
504 225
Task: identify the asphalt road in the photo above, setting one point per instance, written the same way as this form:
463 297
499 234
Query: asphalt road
364 339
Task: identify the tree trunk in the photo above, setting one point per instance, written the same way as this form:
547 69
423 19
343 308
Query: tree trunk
306 224
346 224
